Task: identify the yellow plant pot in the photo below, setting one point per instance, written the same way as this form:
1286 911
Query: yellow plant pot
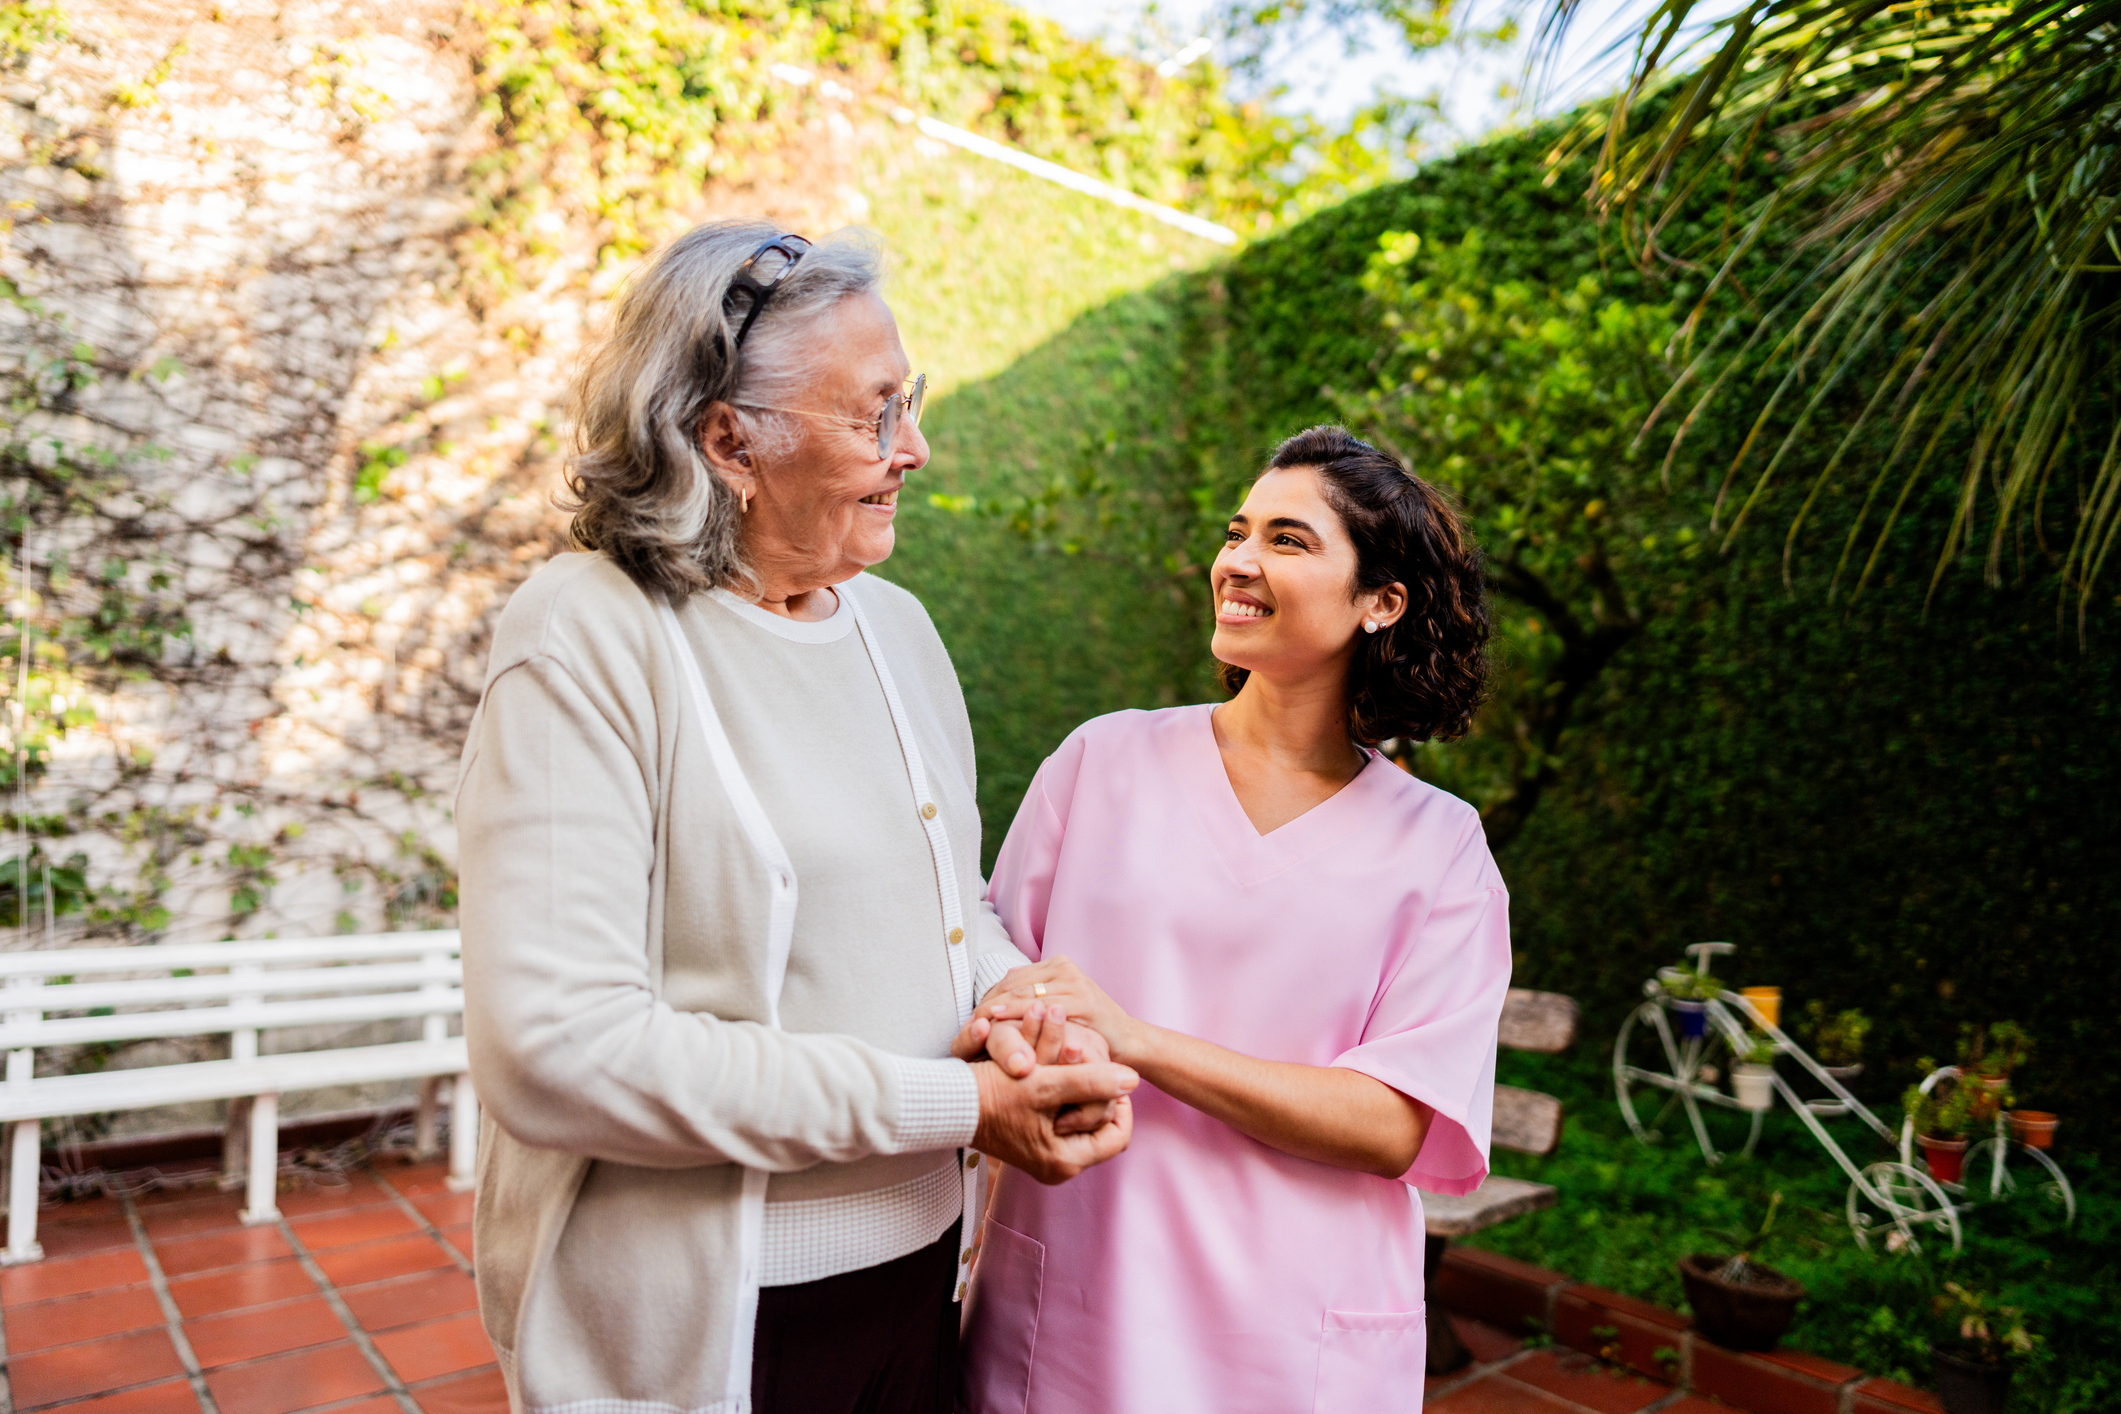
1767 1001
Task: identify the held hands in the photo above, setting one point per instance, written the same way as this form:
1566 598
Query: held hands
1051 1101
1058 985
1019 1119
1035 1035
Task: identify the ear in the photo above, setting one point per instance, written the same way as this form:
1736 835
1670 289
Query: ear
1383 607
726 446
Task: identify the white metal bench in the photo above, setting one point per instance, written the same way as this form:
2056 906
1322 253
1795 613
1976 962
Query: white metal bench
1525 1121
82 996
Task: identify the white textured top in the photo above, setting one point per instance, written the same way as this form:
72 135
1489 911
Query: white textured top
866 880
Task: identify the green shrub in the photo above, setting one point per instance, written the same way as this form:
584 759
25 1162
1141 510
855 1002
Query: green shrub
1894 803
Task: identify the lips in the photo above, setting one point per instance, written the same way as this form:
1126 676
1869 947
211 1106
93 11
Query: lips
1235 604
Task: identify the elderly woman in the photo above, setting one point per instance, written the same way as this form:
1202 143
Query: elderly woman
722 912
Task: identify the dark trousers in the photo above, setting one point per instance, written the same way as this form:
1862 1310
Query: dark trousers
882 1340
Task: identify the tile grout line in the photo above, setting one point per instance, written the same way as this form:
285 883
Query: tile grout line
426 1224
1479 1370
361 1339
172 1318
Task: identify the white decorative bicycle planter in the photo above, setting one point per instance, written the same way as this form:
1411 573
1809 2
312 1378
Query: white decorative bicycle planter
1672 1052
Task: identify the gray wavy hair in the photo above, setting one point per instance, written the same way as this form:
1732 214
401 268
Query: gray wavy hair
640 488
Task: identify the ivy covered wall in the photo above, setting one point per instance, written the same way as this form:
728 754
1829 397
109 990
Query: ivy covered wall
289 296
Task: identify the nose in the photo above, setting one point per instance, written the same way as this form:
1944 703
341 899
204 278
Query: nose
909 449
1239 561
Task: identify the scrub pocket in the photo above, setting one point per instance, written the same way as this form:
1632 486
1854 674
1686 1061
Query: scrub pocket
1001 1321
1368 1361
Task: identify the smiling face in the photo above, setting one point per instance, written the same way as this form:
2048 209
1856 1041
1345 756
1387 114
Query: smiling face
1284 583
822 508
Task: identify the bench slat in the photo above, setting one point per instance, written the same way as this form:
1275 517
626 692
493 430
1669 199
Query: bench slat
57 1095
164 957
212 1021
1497 1200
1525 1121
1538 1021
80 996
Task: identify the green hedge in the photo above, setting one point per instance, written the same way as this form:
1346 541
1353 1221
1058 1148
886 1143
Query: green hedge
1899 803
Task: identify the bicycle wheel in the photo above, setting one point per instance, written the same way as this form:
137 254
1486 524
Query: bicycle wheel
1666 1084
1900 1205
1983 1168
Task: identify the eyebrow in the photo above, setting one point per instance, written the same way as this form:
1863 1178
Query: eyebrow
1282 523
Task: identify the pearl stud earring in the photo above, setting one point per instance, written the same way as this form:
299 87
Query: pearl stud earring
1369 625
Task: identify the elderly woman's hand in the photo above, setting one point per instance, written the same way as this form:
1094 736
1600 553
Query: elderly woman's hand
1056 983
1021 1125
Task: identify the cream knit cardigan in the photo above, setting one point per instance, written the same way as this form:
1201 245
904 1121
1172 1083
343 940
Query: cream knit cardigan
623 1028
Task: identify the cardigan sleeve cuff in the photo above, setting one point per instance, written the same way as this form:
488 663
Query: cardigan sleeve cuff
991 968
938 1105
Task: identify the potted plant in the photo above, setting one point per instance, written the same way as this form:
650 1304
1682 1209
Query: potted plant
1738 1303
1837 1040
1942 1119
1991 1053
1976 1344
1690 992
1753 1076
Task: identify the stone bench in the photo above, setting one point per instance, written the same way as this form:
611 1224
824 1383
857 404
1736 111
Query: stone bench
1526 1122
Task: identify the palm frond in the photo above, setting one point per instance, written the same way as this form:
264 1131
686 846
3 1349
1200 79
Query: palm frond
1953 174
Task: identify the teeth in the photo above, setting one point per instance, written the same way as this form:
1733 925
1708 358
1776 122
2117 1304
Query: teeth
881 498
1244 611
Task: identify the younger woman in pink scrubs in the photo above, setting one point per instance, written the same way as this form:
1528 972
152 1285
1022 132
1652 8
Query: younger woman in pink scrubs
1301 948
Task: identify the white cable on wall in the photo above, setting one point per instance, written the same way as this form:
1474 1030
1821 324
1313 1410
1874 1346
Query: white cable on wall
1024 162
1063 176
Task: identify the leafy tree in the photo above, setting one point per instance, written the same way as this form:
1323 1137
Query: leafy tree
1522 399
1948 208
1953 177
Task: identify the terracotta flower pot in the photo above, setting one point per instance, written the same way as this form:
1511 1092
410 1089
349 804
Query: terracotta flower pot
1968 1386
1946 1157
2035 1129
1749 1315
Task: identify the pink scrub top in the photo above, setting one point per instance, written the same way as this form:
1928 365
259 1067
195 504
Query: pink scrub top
1201 1270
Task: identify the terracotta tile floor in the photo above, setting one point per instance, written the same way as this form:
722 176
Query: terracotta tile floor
358 1301
1506 1378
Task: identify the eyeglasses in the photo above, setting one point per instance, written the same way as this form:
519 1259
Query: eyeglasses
758 275
904 406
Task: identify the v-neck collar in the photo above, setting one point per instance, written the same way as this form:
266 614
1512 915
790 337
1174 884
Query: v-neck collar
1249 855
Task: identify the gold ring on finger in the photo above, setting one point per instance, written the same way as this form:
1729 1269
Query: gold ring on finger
1038 989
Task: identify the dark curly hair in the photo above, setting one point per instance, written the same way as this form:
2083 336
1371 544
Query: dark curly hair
1422 677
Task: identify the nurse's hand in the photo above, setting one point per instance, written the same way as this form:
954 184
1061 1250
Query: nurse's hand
1018 1118
1056 982
1040 1035
1045 1037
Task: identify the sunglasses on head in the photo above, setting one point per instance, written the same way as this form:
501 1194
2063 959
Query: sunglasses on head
758 276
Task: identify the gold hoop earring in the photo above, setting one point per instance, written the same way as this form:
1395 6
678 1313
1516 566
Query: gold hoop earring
743 501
